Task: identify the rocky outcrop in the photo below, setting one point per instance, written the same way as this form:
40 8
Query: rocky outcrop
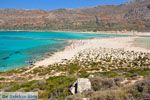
116 89
81 85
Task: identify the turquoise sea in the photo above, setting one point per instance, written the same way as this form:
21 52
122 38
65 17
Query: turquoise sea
18 48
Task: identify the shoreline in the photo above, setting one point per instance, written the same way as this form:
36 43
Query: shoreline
107 54
131 33
77 46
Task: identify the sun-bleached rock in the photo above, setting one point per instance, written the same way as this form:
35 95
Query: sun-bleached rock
81 85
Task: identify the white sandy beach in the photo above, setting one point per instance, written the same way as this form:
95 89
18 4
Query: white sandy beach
79 45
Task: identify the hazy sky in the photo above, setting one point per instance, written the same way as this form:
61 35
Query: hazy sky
55 4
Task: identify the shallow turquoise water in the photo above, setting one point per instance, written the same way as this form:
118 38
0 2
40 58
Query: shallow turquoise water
16 48
143 42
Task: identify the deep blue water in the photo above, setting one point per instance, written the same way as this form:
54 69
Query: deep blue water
17 48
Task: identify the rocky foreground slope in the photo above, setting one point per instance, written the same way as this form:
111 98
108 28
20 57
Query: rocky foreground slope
130 16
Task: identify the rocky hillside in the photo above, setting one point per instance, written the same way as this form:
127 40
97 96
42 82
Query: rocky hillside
131 16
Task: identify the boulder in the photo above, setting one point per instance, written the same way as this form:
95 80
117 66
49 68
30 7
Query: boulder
81 85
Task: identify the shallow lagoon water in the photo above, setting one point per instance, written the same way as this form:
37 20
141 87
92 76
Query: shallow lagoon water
17 48
143 42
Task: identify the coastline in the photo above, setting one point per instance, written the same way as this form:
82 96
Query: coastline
131 33
93 55
76 46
